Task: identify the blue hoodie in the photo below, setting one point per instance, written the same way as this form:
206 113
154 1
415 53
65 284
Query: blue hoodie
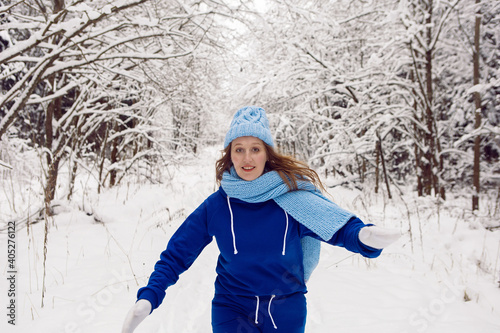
259 244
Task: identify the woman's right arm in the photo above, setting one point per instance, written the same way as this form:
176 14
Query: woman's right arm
183 248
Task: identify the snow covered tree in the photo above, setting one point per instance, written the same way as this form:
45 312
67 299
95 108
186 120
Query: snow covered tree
427 24
348 81
477 131
326 81
78 76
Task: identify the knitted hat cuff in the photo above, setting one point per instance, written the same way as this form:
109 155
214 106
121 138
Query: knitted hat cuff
254 130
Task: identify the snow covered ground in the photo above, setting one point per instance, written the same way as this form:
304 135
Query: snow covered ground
441 276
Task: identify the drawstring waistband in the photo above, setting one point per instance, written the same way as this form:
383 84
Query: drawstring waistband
268 311
234 237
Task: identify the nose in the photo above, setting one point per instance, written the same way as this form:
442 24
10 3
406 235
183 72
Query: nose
247 157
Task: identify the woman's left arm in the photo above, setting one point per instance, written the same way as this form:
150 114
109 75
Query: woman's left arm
365 239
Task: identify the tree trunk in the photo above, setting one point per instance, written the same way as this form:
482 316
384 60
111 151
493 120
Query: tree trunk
53 110
384 170
477 110
417 131
76 155
429 117
431 167
114 156
103 146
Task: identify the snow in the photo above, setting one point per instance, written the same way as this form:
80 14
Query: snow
478 88
102 248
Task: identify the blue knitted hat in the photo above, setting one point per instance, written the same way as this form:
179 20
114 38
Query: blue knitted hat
250 121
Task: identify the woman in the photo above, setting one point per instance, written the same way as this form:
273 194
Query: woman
268 218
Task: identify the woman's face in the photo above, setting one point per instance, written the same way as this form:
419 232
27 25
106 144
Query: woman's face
249 157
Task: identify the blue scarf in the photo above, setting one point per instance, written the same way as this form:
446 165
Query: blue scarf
307 205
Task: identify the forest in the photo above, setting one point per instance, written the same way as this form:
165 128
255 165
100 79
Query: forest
387 97
394 91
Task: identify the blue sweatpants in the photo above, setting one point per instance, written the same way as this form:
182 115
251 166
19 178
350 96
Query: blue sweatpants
259 314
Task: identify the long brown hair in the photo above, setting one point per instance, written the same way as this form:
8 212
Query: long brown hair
289 168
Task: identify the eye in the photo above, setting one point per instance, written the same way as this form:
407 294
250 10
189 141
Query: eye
255 149
238 150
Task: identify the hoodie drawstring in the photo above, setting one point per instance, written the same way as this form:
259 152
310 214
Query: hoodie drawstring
286 231
268 311
257 311
232 225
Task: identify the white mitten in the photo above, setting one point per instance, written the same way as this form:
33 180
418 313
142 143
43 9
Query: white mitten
378 237
140 310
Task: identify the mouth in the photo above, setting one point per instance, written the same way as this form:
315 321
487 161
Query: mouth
248 168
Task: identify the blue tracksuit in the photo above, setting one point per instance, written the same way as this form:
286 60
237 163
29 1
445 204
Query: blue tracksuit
260 283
